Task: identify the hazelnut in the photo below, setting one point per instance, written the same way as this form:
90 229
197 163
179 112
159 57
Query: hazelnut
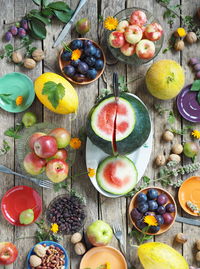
177 149
174 157
29 63
198 256
77 237
16 57
35 261
160 160
79 248
179 45
40 250
38 55
191 37
198 244
168 136
181 238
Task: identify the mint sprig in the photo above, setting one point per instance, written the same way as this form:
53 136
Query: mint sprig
196 88
55 92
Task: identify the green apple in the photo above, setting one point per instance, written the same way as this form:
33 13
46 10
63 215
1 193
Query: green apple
190 149
99 233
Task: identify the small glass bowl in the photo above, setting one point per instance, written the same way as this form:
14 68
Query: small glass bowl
134 60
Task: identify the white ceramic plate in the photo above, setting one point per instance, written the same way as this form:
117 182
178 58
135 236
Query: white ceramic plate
140 157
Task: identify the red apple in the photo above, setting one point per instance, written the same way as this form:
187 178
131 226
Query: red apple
138 17
45 146
62 137
145 49
61 154
128 49
122 26
153 31
133 34
33 164
8 253
33 138
116 39
57 170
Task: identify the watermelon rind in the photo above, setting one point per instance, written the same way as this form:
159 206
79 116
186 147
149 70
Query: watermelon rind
130 170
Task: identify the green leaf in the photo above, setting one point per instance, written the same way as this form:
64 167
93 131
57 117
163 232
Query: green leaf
59 186
195 86
47 12
37 2
59 6
4 148
9 48
63 16
41 18
13 131
146 179
5 98
198 97
171 117
55 92
38 28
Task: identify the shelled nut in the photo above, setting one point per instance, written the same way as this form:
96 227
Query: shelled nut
79 248
181 238
77 237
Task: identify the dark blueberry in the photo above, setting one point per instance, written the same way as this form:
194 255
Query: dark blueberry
161 210
8 36
79 77
154 229
140 224
87 43
143 207
90 50
152 194
66 55
162 199
152 205
99 64
14 30
83 67
159 219
76 44
170 208
90 60
92 73
135 214
69 70
149 213
21 32
141 197
24 24
75 63
98 53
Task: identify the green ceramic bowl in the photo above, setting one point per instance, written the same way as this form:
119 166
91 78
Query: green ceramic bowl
16 84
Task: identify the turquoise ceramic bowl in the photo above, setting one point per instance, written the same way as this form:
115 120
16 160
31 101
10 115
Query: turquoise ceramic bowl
48 243
16 84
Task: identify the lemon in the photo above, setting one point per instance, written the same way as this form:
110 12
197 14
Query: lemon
56 93
165 79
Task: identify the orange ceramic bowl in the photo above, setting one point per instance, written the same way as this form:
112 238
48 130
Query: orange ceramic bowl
190 191
98 256
63 63
164 227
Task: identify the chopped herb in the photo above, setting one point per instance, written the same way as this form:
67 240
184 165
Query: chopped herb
4 148
182 131
171 117
44 233
13 131
58 186
100 18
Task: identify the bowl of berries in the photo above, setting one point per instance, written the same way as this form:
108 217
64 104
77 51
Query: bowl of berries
138 36
82 61
152 210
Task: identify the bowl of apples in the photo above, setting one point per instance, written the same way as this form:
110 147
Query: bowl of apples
138 37
42 152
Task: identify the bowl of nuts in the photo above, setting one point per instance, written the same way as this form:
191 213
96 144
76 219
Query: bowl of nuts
47 254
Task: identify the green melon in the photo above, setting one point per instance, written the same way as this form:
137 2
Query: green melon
124 126
117 175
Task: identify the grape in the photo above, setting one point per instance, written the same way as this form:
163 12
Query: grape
135 214
82 67
26 217
154 229
198 75
162 199
152 194
161 209
193 61
76 44
99 64
8 36
21 32
197 67
140 224
143 207
92 73
167 218
24 24
69 70
170 208
152 205
160 219
14 30
141 197
79 77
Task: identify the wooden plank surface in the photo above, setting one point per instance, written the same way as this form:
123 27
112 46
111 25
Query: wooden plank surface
112 211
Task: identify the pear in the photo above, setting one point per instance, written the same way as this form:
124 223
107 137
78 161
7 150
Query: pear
26 217
83 26
29 119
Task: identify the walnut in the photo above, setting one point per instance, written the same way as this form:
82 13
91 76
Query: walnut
16 57
179 45
174 157
29 63
38 55
160 160
198 256
198 244
168 136
40 250
35 261
177 149
79 248
77 237
191 37
181 238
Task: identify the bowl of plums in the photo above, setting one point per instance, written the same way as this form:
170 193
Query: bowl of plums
138 37
152 210
82 61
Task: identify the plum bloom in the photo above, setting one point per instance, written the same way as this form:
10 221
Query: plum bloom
110 23
75 143
54 228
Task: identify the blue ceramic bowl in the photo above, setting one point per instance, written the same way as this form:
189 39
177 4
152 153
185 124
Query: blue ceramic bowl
48 243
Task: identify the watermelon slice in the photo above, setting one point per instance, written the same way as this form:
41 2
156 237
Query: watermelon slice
117 175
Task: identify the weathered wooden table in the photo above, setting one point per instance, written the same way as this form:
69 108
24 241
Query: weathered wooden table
98 207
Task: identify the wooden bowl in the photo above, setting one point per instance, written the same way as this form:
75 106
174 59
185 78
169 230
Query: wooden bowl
164 227
63 63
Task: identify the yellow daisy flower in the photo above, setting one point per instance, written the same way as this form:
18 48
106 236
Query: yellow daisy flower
76 54
91 172
19 100
75 143
181 32
150 220
196 134
108 265
54 228
110 23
